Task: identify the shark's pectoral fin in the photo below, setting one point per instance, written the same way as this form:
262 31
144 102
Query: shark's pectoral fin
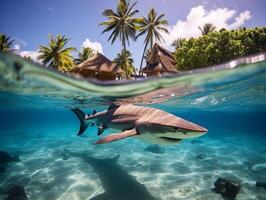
101 129
117 136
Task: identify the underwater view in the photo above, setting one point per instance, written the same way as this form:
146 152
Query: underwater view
133 100
40 149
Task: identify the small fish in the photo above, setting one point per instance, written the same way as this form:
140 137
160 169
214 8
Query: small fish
145 123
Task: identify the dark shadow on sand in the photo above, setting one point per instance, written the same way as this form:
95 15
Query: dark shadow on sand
117 183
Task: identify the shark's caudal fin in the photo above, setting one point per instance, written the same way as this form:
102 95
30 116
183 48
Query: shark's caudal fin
82 118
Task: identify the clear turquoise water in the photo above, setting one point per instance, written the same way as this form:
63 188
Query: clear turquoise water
36 125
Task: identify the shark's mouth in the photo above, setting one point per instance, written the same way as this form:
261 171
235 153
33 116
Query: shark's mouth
170 139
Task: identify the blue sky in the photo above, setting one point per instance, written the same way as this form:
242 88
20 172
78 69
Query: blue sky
31 21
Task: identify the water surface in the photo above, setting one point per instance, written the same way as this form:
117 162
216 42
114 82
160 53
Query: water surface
38 126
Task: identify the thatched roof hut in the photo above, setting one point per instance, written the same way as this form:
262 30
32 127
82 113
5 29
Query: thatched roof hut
98 67
159 61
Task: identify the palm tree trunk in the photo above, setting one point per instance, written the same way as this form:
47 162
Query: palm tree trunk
151 41
124 49
143 57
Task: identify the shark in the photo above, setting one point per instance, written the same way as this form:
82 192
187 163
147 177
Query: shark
145 123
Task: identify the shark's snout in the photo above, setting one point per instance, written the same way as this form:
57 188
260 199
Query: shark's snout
199 129
194 130
191 129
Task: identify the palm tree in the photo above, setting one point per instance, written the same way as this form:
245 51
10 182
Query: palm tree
121 23
55 55
207 28
178 42
125 61
84 55
6 43
151 26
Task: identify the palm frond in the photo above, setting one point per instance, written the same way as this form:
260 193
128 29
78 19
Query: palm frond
6 43
121 23
109 12
55 54
207 28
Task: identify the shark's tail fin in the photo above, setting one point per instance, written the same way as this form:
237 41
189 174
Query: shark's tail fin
82 118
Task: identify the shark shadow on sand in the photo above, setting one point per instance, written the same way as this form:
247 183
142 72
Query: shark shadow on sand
117 183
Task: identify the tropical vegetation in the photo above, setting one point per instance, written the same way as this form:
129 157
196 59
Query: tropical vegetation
6 43
178 42
212 47
125 61
152 27
122 23
56 54
85 54
207 28
219 46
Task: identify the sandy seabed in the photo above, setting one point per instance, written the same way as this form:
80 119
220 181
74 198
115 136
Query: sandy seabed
57 165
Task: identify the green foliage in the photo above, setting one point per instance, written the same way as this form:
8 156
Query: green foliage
207 28
178 42
5 43
152 27
55 55
125 61
84 55
121 23
217 47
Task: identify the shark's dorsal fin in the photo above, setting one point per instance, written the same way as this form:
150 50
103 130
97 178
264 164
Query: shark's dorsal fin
112 106
94 112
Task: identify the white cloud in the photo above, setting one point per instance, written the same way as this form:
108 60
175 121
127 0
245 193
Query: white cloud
16 47
240 20
32 54
18 50
198 16
20 42
97 46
